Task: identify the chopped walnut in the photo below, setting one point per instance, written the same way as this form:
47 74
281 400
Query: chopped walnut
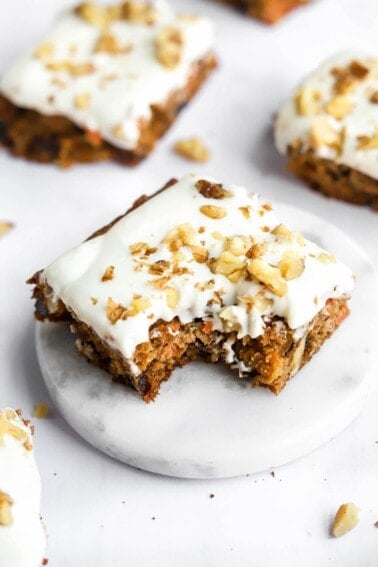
245 211
182 235
108 43
213 212
308 101
291 266
340 106
41 410
268 275
211 190
108 274
94 14
115 312
322 134
238 245
193 149
72 68
44 51
169 46
368 142
142 249
347 78
6 503
326 258
139 12
257 250
282 231
5 227
82 101
94 300
347 517
8 428
374 97
172 297
158 268
200 254
258 302
228 265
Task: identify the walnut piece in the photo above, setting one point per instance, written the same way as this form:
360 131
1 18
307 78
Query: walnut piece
322 134
172 297
108 274
213 211
139 12
193 149
6 502
348 78
44 51
347 517
308 101
168 46
41 410
291 266
368 142
5 227
269 276
228 265
340 106
211 190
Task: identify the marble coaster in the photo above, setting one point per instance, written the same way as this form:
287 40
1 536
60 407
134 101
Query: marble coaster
205 423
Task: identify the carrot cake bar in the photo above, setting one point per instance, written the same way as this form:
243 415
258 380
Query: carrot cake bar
22 537
329 129
268 11
200 270
105 83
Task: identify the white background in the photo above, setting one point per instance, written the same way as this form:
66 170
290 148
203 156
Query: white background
98 511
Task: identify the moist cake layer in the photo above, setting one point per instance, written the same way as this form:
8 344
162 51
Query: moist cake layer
198 252
104 68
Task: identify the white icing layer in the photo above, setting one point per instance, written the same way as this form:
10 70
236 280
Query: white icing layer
118 93
360 119
23 541
77 276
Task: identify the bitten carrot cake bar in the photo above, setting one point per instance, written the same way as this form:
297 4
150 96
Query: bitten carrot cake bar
105 83
22 537
329 129
268 11
200 270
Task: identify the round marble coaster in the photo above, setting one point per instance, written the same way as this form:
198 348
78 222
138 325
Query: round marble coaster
207 424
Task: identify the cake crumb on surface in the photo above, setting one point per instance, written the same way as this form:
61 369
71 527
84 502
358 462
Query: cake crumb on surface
5 227
193 149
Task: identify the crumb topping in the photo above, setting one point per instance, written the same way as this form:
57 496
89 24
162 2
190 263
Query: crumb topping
334 112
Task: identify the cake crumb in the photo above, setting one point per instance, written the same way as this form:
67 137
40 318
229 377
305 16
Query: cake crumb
41 410
345 520
193 149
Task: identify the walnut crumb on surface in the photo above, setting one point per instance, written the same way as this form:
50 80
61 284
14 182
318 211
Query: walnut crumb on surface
168 47
347 517
6 504
108 274
5 227
193 149
211 190
308 101
41 410
268 275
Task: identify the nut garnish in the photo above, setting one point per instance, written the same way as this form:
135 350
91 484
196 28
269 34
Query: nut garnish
200 254
108 43
308 101
268 275
6 502
44 51
347 517
238 245
291 266
374 97
41 410
95 14
212 190
139 12
5 227
142 249
322 134
282 231
172 297
213 211
193 149
168 46
245 211
340 106
158 268
228 265
82 101
229 320
368 142
258 302
182 235
326 258
75 69
257 250
8 428
347 78
108 274
116 311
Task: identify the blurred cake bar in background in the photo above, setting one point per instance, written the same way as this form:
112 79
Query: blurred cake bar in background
105 83
22 536
329 129
268 11
199 270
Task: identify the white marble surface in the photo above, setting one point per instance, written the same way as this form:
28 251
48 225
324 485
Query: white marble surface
207 424
99 511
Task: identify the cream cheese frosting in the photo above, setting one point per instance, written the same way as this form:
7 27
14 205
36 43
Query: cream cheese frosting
103 68
334 112
22 537
198 249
